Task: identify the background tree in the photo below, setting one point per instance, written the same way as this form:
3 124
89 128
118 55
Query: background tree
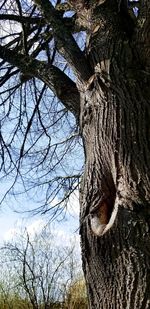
107 90
38 273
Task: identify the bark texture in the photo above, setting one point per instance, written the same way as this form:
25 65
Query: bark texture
115 118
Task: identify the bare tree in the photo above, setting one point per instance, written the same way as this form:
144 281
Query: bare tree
39 271
105 85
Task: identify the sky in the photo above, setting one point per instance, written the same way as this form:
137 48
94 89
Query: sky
11 222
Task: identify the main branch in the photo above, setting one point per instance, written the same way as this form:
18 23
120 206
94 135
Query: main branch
61 85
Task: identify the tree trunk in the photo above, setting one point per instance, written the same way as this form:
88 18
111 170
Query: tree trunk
115 190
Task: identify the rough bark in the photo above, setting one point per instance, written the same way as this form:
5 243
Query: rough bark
115 189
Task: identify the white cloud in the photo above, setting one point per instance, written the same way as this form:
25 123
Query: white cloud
65 231
63 234
32 228
35 227
64 239
10 234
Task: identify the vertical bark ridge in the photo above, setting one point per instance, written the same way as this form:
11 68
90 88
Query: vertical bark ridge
134 151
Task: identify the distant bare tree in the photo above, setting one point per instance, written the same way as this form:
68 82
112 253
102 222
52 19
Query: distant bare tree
39 270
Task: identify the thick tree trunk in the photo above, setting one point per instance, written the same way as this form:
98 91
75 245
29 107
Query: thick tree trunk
117 265
115 191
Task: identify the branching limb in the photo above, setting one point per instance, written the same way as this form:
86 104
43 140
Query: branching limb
61 85
73 55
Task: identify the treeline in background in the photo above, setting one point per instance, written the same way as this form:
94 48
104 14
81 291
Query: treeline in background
38 273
